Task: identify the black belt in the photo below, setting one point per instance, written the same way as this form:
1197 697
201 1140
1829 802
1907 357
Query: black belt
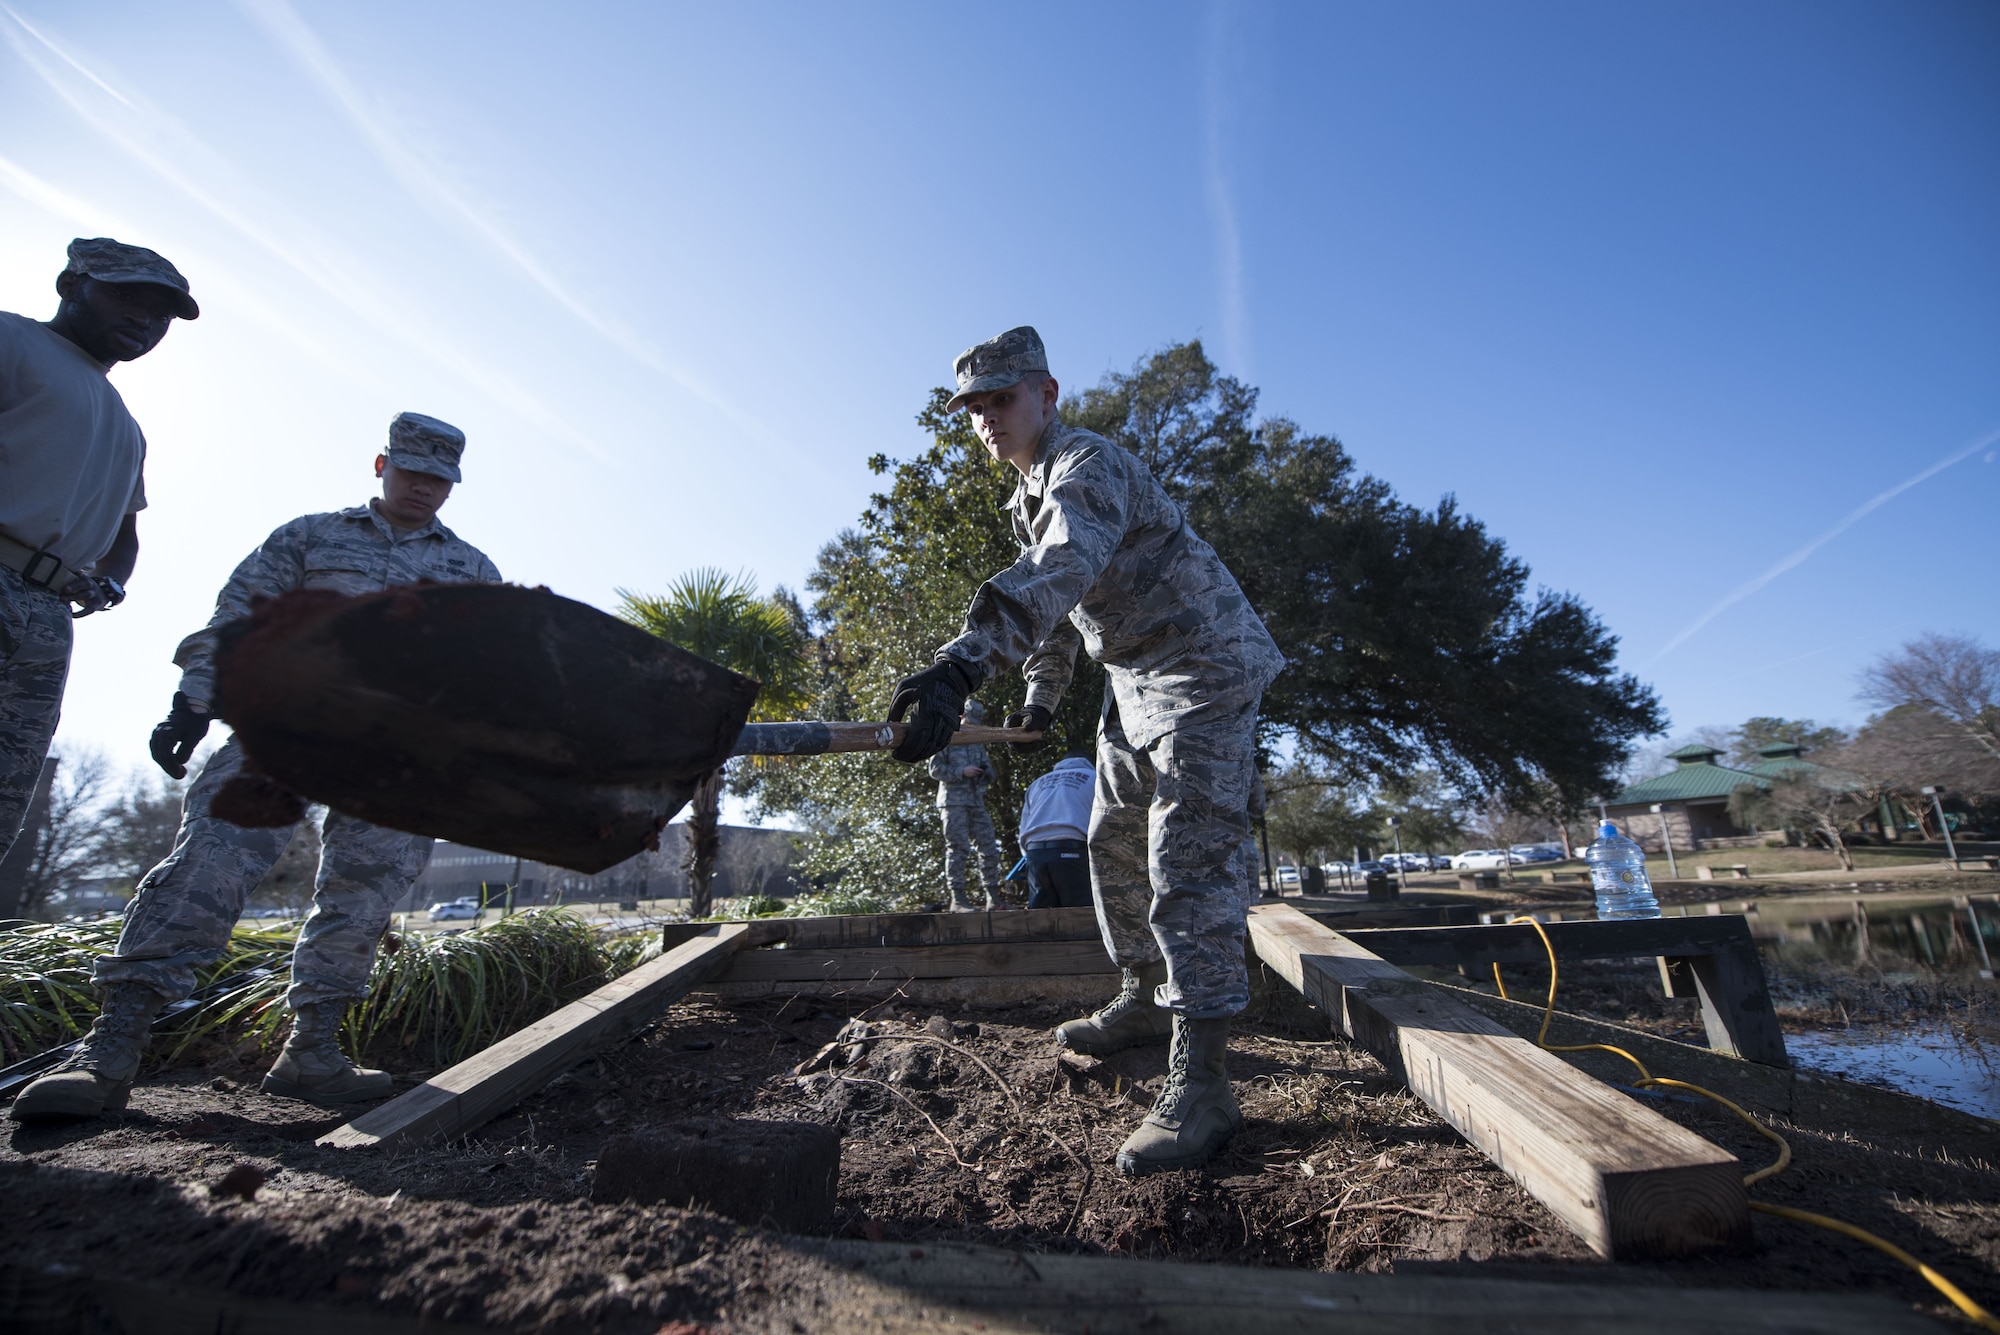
1057 846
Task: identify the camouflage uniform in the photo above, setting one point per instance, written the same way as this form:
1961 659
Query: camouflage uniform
967 826
1109 563
183 911
34 663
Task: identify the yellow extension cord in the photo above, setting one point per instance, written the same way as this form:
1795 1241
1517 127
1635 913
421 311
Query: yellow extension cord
1647 1079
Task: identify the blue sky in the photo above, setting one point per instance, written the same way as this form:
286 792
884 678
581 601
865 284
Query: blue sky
1696 305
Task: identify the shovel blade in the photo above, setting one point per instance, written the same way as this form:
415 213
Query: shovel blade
497 716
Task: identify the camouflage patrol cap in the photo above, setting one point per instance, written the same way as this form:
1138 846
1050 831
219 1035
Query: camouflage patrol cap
426 445
111 261
997 363
974 712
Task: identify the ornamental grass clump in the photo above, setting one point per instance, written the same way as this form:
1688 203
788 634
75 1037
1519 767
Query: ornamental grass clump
46 996
437 998
449 996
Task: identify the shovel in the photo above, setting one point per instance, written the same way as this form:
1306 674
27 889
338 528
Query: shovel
500 717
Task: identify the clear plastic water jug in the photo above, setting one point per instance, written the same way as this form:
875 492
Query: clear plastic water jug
1618 876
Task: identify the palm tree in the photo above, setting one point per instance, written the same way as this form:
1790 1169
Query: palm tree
721 617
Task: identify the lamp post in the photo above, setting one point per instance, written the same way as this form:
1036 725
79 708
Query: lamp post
1950 849
1402 873
1667 838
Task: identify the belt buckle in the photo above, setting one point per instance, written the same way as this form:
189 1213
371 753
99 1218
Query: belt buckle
55 568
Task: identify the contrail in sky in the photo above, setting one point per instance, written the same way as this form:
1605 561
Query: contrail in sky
91 218
284 26
1798 557
1221 203
339 279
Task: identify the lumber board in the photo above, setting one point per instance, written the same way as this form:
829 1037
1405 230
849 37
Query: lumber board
1483 945
955 1286
492 1080
1628 1181
991 959
840 931
896 1289
1341 917
1713 958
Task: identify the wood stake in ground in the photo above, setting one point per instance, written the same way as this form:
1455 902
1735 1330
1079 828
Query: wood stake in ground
491 1081
1631 1183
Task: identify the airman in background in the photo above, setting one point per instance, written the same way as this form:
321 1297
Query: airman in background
963 774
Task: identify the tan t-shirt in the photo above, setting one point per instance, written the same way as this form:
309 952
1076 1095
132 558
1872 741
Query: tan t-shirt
72 460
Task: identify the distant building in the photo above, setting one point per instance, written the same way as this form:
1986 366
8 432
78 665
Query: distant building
753 861
1694 798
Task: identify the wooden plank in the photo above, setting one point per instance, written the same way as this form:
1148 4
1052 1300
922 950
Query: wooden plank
1399 915
486 1084
838 931
890 1288
1011 959
942 1286
1482 946
1713 958
1629 1182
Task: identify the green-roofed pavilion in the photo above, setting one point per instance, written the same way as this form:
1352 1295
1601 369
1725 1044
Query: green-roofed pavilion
1694 802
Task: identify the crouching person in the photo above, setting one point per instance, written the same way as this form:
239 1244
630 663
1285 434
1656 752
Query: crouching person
185 908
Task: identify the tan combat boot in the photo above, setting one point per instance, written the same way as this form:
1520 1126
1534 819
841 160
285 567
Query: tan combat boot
1196 1112
97 1076
1130 1021
312 1066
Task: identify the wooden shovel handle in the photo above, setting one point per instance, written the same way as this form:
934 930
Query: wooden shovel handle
818 739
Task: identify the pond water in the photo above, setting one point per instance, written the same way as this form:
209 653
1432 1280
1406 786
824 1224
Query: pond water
1929 1060
1952 934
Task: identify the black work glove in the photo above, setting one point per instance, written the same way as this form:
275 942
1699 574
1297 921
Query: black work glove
938 694
174 741
1031 718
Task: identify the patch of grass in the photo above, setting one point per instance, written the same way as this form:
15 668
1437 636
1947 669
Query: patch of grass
46 996
443 996
840 902
449 996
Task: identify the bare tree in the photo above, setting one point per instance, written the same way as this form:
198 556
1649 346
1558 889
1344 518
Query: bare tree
1953 676
1819 801
1650 761
1309 813
138 826
67 846
1503 825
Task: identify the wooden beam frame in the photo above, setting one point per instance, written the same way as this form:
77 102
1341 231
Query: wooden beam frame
493 1080
1628 1181
1713 958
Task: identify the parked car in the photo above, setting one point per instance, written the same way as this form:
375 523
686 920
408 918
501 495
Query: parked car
1537 852
1372 867
1288 876
1483 859
457 908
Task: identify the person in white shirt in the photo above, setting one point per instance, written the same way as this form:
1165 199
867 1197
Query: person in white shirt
1055 828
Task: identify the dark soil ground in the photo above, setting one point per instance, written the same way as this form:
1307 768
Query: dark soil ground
960 1124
